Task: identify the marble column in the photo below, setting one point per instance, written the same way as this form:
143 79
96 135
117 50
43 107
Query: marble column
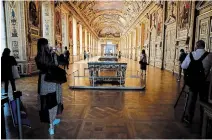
86 41
128 46
80 42
16 34
64 31
74 39
89 43
70 36
131 44
48 22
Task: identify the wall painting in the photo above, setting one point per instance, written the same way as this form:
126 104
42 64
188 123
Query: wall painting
58 23
184 14
34 17
159 22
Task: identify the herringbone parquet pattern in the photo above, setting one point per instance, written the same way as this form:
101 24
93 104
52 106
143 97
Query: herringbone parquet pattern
110 114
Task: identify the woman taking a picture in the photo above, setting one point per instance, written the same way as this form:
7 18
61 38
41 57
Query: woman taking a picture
49 93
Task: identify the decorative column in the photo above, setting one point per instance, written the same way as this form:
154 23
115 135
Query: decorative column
99 47
86 41
74 39
80 42
70 34
91 45
94 46
48 22
83 41
15 34
125 46
128 49
131 44
89 38
135 43
58 26
64 30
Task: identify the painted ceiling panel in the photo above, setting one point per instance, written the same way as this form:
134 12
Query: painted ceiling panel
110 17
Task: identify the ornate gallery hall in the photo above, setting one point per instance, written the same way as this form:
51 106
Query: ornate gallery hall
107 94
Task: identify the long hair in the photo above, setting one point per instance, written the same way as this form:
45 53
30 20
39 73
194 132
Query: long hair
43 55
6 52
143 52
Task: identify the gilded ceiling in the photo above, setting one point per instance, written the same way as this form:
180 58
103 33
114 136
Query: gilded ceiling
110 18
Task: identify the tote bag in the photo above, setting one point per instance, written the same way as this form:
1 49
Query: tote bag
15 72
56 75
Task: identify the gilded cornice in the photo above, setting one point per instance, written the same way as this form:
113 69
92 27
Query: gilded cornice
78 16
142 14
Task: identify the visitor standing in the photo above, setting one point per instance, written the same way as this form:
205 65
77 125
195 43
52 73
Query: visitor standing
66 57
181 59
84 54
7 62
88 55
143 62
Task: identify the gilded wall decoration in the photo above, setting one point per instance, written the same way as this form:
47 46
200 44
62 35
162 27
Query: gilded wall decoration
153 20
184 9
78 32
119 14
58 24
46 27
203 28
159 17
172 9
70 29
13 21
15 49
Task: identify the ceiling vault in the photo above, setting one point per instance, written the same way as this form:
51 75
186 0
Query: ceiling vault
109 18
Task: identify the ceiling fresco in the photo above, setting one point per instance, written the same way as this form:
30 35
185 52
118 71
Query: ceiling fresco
110 18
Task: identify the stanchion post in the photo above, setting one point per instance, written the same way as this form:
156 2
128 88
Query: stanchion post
93 81
17 95
3 128
74 80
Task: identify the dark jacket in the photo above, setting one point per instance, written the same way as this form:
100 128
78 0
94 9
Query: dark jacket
182 57
6 67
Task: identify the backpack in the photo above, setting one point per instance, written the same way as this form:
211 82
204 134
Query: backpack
195 73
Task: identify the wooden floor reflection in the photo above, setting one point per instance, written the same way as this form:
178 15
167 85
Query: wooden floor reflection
111 114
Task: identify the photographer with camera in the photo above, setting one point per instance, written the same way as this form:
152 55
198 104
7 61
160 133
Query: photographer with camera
197 65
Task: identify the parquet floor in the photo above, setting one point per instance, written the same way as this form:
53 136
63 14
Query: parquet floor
111 114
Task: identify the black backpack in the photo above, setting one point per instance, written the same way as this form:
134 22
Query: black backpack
195 73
